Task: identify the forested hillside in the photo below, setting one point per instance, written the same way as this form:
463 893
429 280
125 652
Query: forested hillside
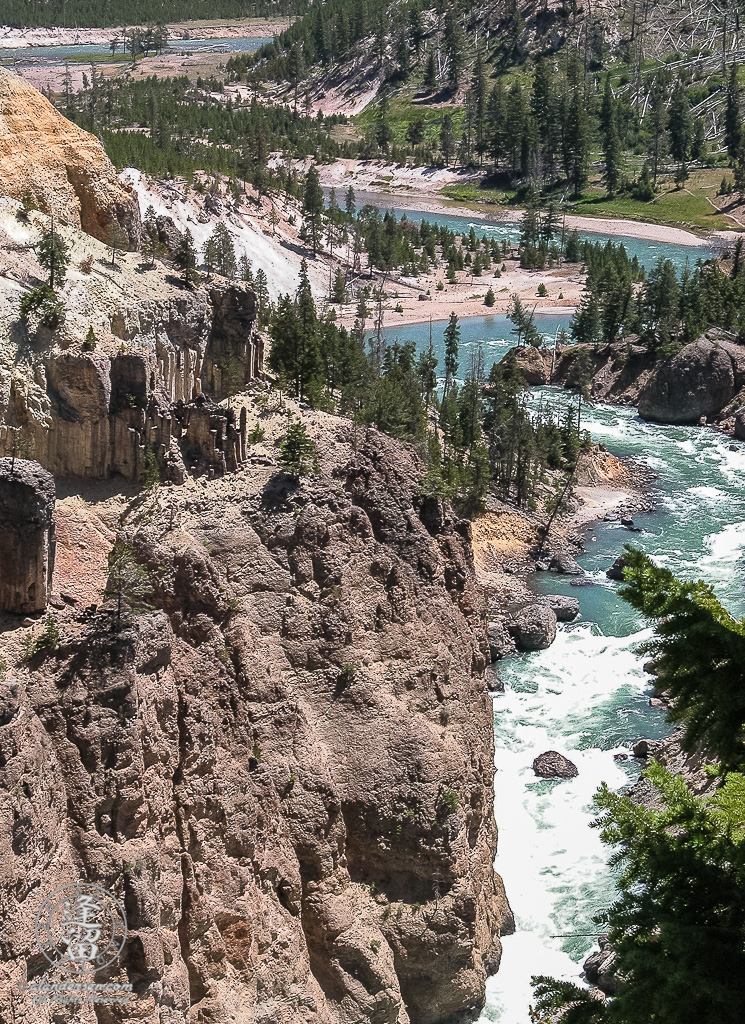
102 13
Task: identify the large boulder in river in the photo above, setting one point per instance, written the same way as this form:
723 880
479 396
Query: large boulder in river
699 381
533 364
533 627
600 968
564 608
553 765
615 572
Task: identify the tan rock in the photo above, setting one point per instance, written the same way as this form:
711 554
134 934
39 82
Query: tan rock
64 168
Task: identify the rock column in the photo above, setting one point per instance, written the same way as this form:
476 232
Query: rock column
27 540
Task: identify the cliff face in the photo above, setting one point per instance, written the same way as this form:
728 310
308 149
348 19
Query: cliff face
159 347
27 541
285 771
65 170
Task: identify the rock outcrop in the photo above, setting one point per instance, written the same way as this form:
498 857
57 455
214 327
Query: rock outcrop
27 542
533 627
285 771
566 609
163 356
553 765
701 380
64 169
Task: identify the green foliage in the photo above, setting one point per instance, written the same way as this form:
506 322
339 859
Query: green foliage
298 455
90 341
699 651
53 254
219 253
151 472
42 303
256 434
90 14
186 260
127 581
47 640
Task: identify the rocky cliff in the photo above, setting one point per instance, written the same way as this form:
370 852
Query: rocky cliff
93 409
27 541
284 771
65 170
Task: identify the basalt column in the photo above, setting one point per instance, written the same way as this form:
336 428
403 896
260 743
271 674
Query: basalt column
27 542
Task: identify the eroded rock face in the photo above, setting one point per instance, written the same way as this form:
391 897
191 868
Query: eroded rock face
553 765
26 536
285 773
65 170
699 381
100 411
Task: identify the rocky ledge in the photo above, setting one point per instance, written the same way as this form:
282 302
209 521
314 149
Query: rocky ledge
284 770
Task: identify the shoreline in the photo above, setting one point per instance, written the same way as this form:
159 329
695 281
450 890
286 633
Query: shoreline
209 28
391 186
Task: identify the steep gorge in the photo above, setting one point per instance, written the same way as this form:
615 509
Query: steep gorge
285 771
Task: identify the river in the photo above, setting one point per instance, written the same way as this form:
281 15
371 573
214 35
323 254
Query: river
587 695
84 51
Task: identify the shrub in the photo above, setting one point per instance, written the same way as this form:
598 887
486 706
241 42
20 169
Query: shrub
47 640
490 298
542 291
256 434
43 303
89 344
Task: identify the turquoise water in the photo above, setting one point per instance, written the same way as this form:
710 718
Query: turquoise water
645 251
58 54
587 696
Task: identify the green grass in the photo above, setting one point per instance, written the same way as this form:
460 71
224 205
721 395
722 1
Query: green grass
676 207
472 193
402 110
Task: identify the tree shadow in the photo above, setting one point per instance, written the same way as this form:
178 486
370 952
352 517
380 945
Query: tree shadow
276 492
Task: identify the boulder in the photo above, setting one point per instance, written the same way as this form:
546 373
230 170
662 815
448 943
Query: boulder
600 968
698 382
564 608
533 627
553 765
642 748
532 366
616 570
566 564
739 425
27 539
500 642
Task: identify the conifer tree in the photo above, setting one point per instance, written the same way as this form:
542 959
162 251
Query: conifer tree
54 255
186 260
452 340
297 450
313 207
611 142
733 128
127 581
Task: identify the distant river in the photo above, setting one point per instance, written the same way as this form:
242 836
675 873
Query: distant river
59 54
647 252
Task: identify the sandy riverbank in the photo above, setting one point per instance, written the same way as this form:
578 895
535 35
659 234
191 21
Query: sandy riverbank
214 28
504 536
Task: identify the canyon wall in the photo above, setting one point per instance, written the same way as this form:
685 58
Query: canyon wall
27 542
64 170
284 771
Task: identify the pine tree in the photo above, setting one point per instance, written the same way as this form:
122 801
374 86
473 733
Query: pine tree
699 652
733 129
313 207
54 255
452 340
430 73
679 125
297 451
576 148
186 260
127 581
612 153
453 46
